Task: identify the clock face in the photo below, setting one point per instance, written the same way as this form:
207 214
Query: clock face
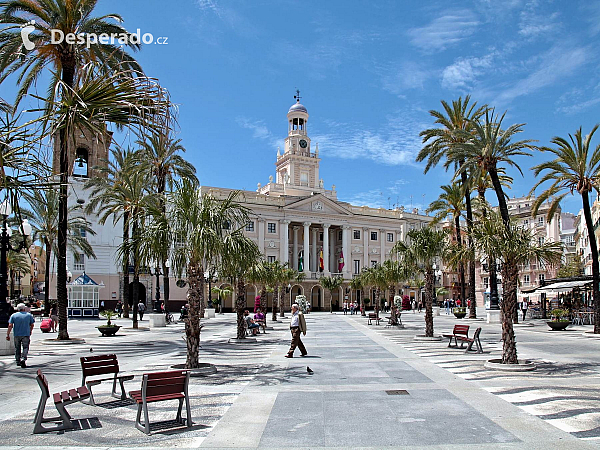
303 143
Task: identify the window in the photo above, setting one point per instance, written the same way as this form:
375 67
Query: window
271 227
303 179
526 280
250 226
82 232
373 263
541 220
486 282
78 261
541 240
226 225
541 277
357 266
356 234
271 259
373 235
321 236
340 235
390 237
526 222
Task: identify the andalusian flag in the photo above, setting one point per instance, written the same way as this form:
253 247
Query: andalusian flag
301 262
321 266
341 262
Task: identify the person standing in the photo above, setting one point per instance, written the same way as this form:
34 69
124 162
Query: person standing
297 326
141 309
54 318
524 307
22 322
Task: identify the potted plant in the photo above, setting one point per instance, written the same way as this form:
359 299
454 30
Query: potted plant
109 329
560 319
459 312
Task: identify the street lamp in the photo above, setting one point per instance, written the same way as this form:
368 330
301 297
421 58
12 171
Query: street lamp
5 246
155 271
493 272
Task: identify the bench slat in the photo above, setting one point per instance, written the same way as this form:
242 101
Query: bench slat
57 398
169 374
100 371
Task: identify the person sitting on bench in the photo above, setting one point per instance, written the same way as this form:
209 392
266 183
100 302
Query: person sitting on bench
252 325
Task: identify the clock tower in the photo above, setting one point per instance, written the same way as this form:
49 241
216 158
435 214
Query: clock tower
298 166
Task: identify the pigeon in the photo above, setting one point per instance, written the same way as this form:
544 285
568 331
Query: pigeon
91 350
309 370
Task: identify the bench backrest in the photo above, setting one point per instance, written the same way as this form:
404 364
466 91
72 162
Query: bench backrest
461 329
164 383
372 316
99 365
43 382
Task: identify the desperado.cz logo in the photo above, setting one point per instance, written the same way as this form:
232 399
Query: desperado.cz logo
89 39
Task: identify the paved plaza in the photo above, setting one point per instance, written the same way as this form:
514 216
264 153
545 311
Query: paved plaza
372 387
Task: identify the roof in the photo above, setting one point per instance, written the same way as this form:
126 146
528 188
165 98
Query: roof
297 107
563 286
84 280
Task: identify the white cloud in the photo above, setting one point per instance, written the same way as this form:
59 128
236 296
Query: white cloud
534 23
448 29
405 76
259 131
463 73
387 197
396 143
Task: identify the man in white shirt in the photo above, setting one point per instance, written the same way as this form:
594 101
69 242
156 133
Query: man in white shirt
297 326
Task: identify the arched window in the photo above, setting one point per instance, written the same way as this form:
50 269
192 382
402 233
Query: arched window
80 165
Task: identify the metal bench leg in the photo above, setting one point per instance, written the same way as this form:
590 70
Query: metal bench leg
479 348
178 417
188 411
147 424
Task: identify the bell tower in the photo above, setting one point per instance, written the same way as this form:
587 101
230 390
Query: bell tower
298 167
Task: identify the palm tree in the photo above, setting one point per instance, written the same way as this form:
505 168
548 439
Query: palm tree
108 199
67 61
17 263
96 100
456 126
450 203
418 256
206 234
394 273
44 221
514 245
575 168
356 284
331 284
377 277
162 159
221 294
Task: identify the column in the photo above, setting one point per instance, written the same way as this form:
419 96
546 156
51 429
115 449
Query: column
314 264
326 271
284 243
332 259
382 241
346 249
261 235
366 236
306 248
295 255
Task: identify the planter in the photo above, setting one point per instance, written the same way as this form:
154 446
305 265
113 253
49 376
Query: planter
108 330
558 326
460 315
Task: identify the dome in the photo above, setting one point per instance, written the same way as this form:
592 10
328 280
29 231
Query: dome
297 107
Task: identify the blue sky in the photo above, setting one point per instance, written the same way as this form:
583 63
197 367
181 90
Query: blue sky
368 72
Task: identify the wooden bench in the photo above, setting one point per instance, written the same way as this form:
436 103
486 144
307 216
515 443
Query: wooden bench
162 386
474 339
375 317
459 331
61 399
92 366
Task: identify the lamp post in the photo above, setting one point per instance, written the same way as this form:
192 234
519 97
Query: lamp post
438 276
493 272
155 271
5 246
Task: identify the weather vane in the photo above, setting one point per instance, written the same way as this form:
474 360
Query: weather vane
297 96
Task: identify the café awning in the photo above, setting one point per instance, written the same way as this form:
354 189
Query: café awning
563 286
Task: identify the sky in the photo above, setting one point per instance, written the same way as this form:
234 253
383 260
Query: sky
368 74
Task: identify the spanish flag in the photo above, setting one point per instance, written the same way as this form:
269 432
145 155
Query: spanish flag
321 266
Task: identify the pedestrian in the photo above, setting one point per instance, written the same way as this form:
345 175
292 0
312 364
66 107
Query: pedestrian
102 305
458 302
141 309
385 306
447 304
524 307
22 322
297 326
54 318
119 308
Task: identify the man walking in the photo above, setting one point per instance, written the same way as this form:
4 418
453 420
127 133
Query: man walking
22 323
297 326
141 309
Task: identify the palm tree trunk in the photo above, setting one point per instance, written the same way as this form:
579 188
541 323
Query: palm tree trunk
136 271
429 284
594 251
47 278
240 305
61 269
195 298
281 301
126 266
461 266
68 76
263 301
275 299
469 207
136 296
166 291
510 275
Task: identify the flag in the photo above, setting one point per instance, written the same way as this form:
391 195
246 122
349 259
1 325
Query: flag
301 262
321 266
341 262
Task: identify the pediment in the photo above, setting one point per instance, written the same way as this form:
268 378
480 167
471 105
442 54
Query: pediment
318 204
